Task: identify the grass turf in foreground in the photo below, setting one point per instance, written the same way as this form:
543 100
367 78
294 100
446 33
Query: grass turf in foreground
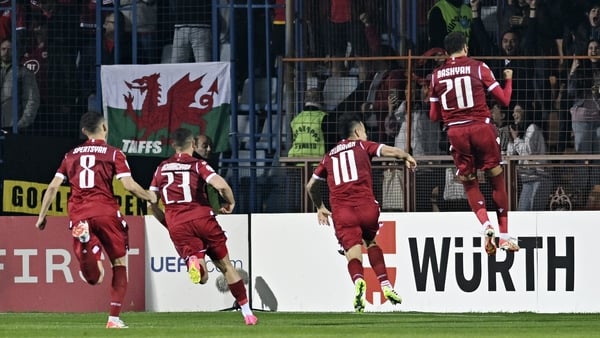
284 324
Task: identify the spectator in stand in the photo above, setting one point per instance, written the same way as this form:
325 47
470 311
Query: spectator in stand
6 25
64 35
527 139
112 33
148 49
28 101
94 217
425 134
584 90
512 15
447 16
36 60
576 43
278 35
311 134
203 147
499 119
371 35
192 38
388 79
512 45
345 29
110 54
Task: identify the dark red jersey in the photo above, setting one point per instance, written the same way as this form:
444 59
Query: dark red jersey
459 89
347 169
90 169
181 182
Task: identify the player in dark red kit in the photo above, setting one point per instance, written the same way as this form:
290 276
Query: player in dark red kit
94 215
458 97
180 182
355 212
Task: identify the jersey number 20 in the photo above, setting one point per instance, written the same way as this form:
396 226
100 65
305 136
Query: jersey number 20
463 91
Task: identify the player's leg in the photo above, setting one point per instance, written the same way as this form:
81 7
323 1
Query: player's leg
499 195
236 287
349 234
118 289
215 241
464 152
357 274
191 248
87 249
370 220
113 234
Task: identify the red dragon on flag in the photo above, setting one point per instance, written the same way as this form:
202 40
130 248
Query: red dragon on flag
141 116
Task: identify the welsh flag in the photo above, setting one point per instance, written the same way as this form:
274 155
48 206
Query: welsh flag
145 103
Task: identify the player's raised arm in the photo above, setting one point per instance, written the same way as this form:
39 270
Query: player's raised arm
502 95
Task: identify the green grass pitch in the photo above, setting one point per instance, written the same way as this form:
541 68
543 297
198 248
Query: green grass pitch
285 324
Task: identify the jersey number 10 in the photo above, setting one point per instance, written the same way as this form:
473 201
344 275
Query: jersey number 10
344 167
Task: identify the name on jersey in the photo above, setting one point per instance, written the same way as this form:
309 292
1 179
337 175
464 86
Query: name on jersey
342 147
175 167
90 149
462 70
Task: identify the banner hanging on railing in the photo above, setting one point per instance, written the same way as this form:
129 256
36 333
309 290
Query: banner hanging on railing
145 103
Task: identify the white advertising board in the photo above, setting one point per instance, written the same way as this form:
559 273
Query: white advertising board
435 261
168 287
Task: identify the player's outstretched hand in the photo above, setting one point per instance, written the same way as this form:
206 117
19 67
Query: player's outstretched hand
508 73
323 215
410 162
41 223
153 199
226 208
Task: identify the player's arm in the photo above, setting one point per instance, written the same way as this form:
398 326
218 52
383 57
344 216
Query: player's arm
49 197
313 187
132 186
219 183
157 212
435 109
502 95
389 151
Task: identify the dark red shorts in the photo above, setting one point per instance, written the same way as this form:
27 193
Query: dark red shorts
106 232
355 223
473 146
197 236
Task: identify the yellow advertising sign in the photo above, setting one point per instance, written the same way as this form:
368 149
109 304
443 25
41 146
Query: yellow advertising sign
26 197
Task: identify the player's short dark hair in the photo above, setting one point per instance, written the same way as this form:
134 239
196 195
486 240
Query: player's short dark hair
454 42
347 123
91 121
181 136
